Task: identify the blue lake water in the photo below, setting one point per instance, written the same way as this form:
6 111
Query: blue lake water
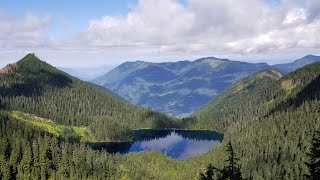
179 144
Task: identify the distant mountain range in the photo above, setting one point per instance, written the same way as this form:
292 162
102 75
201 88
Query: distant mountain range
176 88
180 88
289 67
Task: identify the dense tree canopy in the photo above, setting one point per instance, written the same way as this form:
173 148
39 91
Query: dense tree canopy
314 161
270 122
230 171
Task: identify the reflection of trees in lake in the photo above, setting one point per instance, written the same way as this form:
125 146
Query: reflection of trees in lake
146 134
200 135
111 147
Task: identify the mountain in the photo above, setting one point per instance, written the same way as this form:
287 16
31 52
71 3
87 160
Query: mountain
176 88
270 121
227 103
289 67
87 73
35 87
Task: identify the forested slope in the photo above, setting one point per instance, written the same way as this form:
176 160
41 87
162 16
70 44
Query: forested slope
271 127
30 153
33 86
223 110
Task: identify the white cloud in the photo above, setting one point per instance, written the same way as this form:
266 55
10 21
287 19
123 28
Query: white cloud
152 22
165 144
23 33
230 26
196 147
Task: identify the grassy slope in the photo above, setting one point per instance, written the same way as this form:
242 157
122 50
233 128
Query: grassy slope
53 128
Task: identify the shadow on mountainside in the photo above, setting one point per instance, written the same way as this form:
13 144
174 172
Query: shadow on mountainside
309 93
33 84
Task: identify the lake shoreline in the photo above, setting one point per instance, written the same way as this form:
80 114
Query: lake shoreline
176 143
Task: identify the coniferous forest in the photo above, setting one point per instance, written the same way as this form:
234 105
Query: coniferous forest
269 121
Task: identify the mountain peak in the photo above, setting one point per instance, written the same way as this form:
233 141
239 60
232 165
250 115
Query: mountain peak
29 60
211 61
205 59
310 56
30 64
289 67
30 57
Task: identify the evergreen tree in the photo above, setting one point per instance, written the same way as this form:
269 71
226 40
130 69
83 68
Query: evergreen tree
314 163
209 175
232 170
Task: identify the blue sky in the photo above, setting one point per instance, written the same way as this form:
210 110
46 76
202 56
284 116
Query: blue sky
69 16
103 32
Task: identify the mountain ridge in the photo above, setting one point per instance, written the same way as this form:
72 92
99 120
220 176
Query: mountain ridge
289 67
180 88
163 86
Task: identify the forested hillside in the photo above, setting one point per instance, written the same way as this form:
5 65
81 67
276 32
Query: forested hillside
30 153
272 126
33 86
222 111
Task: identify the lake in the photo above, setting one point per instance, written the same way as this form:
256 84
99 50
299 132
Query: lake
179 144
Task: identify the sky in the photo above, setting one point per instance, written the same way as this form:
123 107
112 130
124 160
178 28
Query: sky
109 32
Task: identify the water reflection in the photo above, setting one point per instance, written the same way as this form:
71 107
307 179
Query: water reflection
180 144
